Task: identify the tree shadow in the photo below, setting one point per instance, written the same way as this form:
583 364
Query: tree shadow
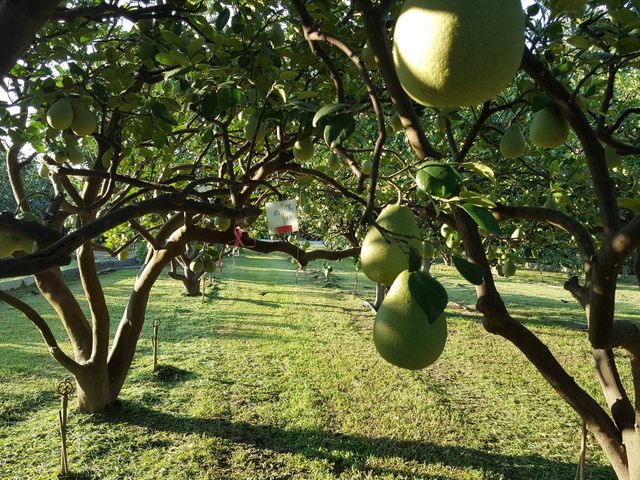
331 447
171 374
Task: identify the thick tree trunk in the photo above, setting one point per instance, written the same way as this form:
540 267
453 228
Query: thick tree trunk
191 283
94 390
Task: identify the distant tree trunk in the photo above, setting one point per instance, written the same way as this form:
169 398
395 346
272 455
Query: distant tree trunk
381 292
426 264
189 278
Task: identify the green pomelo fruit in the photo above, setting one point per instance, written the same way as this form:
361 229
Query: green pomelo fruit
28 217
438 179
366 166
251 129
59 158
106 158
427 250
303 181
368 56
303 150
611 156
60 114
402 332
222 223
123 255
8 244
548 128
209 264
22 243
84 121
43 170
276 35
453 53
395 122
453 240
512 142
197 264
384 257
508 269
74 154
11 242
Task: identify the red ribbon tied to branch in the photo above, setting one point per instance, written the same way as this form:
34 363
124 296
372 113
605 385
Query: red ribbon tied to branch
238 232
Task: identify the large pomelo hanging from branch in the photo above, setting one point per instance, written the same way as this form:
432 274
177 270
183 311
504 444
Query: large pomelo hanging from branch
454 53
383 257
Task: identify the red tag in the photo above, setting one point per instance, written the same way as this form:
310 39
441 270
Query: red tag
285 229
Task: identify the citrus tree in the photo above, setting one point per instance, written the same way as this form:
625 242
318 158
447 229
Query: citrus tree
496 135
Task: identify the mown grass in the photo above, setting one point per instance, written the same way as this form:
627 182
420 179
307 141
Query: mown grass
273 378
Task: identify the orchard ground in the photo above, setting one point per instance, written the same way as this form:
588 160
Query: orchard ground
269 378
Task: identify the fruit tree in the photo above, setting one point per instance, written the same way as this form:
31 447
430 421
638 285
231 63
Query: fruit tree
492 133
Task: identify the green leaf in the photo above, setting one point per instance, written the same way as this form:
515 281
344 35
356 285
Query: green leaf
209 104
474 198
288 75
222 19
438 179
172 38
338 129
195 45
483 217
630 203
471 272
281 91
568 5
415 259
482 169
307 94
327 110
172 59
430 295
228 98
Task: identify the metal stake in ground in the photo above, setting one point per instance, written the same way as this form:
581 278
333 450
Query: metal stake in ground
154 342
580 472
65 388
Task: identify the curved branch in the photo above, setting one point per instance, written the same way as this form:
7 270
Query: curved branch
58 252
555 218
35 318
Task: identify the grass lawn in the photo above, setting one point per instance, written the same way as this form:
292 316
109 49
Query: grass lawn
269 379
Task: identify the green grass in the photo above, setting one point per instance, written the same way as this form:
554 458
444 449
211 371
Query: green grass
269 379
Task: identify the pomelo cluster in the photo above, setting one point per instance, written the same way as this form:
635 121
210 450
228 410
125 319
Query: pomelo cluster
65 113
410 329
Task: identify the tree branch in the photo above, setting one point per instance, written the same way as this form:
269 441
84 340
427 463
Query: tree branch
47 335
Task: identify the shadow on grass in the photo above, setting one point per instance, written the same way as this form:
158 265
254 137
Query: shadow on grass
171 374
19 408
330 447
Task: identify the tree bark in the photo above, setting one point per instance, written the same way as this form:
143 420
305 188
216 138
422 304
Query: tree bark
128 333
93 389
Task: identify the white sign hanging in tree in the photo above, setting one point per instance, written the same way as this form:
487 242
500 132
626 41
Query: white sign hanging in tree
282 217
